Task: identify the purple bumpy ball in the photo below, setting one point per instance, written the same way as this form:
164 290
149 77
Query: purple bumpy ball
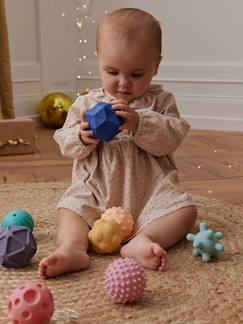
103 121
125 280
17 246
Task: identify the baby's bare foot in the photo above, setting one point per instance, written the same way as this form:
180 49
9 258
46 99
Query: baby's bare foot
66 258
150 254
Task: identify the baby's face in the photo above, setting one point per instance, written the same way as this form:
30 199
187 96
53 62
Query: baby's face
126 69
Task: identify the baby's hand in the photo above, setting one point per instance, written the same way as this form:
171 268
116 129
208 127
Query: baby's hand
130 115
85 133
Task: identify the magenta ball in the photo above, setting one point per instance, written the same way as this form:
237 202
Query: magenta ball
125 280
31 303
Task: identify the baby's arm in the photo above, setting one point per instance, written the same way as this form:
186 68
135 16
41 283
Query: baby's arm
161 131
69 136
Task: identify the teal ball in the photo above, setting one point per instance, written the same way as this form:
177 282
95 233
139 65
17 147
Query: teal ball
18 217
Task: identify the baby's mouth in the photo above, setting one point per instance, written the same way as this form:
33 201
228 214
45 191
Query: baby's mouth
124 92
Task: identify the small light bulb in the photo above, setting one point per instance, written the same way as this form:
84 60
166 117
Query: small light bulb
63 14
85 40
79 77
93 21
84 57
78 94
209 191
199 167
84 6
80 41
89 72
87 89
215 151
230 166
106 11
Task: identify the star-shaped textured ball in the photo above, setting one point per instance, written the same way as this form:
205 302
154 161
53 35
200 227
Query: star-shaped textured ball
17 246
206 242
103 121
125 280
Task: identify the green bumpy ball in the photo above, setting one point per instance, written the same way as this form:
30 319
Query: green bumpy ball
18 217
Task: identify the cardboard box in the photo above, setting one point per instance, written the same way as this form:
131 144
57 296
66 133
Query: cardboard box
17 136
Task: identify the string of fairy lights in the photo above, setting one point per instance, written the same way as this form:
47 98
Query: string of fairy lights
81 10
230 165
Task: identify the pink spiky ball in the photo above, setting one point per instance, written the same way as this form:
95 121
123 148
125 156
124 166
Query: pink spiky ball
125 280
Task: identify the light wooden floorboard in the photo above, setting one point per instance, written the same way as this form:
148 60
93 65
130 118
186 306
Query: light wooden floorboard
210 164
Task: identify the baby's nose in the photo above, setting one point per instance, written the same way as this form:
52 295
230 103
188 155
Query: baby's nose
124 81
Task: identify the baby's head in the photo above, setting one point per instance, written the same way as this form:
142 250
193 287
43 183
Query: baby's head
129 52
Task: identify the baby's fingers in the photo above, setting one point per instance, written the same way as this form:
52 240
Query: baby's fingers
122 113
86 133
83 118
120 106
84 125
91 140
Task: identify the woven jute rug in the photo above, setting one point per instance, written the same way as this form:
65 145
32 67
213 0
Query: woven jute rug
189 292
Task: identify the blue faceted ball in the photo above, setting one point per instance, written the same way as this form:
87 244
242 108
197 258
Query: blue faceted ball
104 121
18 217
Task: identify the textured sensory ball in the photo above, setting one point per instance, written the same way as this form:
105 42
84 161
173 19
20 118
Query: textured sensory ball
53 109
206 243
17 246
31 303
125 280
103 121
105 236
18 217
123 217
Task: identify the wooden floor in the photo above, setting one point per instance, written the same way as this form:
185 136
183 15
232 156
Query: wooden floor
210 164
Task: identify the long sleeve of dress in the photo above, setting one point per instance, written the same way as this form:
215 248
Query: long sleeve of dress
68 136
160 131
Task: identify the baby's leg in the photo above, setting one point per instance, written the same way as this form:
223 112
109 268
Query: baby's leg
148 246
71 253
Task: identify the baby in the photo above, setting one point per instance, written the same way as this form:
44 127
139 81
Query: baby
135 170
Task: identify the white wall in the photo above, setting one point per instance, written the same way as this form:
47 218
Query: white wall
202 49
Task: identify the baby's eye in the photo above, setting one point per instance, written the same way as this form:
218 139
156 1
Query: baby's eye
137 75
112 72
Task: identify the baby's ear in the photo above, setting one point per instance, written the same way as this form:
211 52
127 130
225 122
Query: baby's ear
159 59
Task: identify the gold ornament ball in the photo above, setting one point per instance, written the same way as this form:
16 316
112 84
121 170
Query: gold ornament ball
53 109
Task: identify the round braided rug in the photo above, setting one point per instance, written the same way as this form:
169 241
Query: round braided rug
189 292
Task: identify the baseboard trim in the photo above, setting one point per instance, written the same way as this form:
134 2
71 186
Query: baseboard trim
215 123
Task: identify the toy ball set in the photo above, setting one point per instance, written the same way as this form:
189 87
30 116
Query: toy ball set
124 280
31 302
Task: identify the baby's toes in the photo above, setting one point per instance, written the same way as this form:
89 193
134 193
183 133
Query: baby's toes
164 263
161 256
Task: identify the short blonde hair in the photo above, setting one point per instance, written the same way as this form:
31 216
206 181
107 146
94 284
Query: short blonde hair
133 24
